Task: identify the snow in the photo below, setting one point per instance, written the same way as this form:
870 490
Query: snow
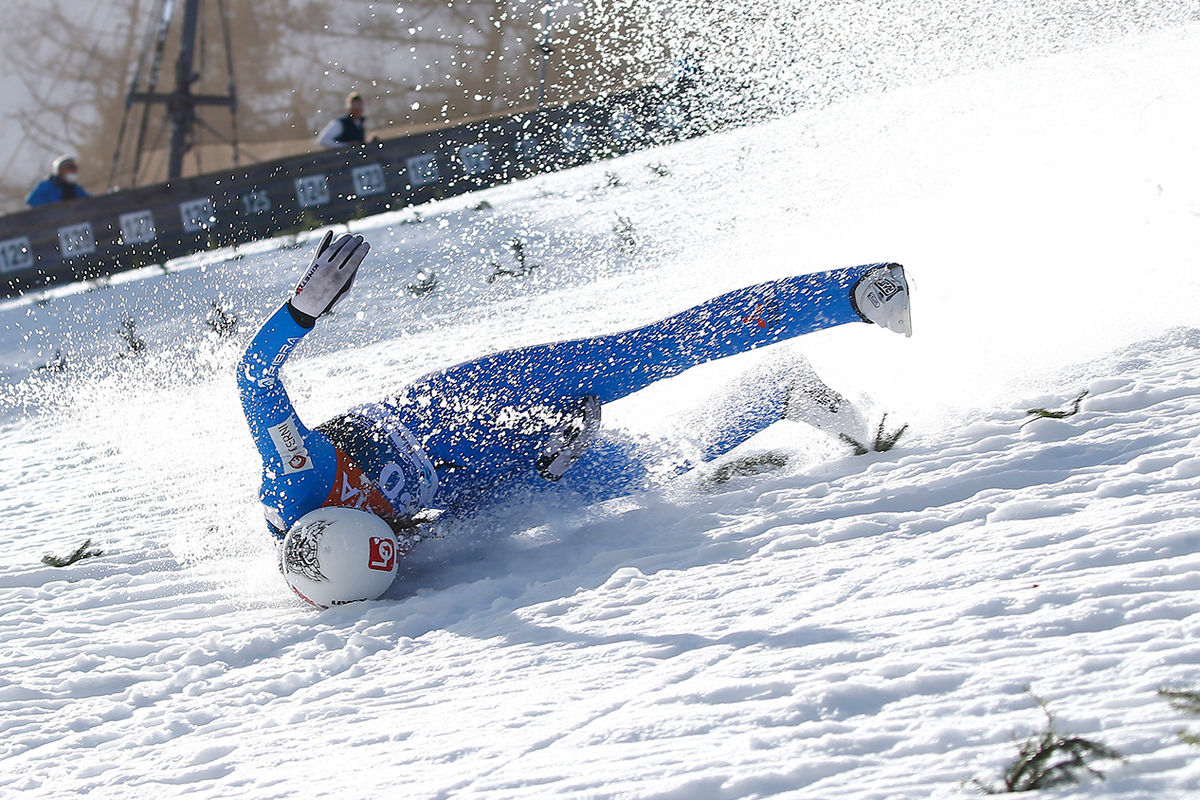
840 627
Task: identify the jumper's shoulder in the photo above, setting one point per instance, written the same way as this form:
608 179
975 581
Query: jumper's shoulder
298 473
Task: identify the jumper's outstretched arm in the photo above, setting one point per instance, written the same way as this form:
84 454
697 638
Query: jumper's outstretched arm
265 402
268 409
289 452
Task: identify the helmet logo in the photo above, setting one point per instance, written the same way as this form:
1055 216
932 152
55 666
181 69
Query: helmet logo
383 553
300 551
887 288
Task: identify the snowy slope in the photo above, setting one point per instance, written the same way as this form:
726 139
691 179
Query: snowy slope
841 627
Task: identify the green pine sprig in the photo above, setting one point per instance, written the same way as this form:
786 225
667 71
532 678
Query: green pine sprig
746 466
1045 413
883 441
1187 701
80 554
1050 759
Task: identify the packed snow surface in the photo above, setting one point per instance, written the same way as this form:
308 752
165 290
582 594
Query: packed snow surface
839 627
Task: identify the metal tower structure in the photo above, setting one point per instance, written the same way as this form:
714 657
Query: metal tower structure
181 103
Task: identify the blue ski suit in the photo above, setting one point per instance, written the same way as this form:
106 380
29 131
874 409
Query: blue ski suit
455 434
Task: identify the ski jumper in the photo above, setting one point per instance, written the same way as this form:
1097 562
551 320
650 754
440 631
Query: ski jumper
454 434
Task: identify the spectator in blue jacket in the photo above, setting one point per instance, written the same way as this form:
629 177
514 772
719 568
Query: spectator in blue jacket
63 184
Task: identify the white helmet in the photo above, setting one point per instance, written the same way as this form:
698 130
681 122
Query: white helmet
333 556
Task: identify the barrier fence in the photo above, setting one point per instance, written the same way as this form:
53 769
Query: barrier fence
104 235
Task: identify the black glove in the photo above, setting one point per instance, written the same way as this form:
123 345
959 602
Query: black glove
329 276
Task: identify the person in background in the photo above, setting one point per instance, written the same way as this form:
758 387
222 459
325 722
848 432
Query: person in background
348 130
63 184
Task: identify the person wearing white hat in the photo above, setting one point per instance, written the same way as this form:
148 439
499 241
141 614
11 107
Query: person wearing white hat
63 184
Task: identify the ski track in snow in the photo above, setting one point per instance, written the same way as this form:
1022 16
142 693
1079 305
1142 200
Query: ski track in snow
839 628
